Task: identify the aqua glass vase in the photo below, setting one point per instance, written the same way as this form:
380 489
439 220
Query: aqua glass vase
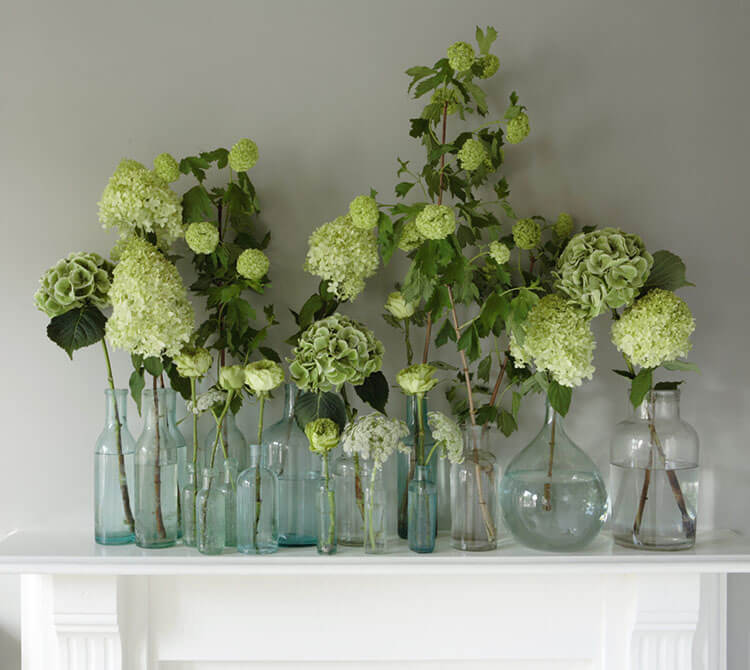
234 441
552 495
350 500
179 440
211 512
113 473
422 514
187 505
257 508
286 452
376 505
155 500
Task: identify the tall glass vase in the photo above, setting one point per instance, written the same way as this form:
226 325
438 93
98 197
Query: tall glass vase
326 512
443 486
187 505
350 500
654 476
155 504
257 508
211 512
552 495
182 459
376 532
422 512
234 440
473 486
113 473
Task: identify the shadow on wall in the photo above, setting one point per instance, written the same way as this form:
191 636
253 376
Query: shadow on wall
10 651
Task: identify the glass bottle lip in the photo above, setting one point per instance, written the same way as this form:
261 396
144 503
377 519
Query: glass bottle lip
117 392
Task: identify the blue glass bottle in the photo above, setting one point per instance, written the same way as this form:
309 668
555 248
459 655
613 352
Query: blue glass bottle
257 508
422 514
179 439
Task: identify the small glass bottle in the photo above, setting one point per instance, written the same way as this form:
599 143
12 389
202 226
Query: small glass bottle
422 525
443 486
326 513
229 481
350 500
234 441
211 512
257 508
376 532
189 492
155 504
179 440
113 473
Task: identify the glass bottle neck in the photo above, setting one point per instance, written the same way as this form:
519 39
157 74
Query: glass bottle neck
115 399
154 404
171 396
290 399
552 416
422 473
474 438
254 455
659 405
411 411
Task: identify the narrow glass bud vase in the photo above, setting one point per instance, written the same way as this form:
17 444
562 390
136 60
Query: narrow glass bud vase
211 512
350 500
179 440
422 514
376 534
552 495
654 476
113 473
443 485
257 508
155 504
473 502
326 513
187 504
229 480
234 441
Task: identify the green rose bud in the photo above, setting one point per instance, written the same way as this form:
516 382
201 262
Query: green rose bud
252 264
527 233
398 306
232 377
417 379
436 222
564 225
263 376
193 362
323 435
243 155
518 129
202 237
166 168
460 56
364 212
499 253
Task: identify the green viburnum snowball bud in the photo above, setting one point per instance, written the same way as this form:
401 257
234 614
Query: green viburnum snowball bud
410 237
243 155
263 376
472 154
564 225
252 264
655 329
232 377
398 306
489 64
193 362
323 435
417 379
446 95
166 167
518 129
364 212
460 56
202 237
436 222
499 252
527 233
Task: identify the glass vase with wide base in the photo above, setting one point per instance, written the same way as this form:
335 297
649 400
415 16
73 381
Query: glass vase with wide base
211 512
552 495
422 526
376 505
257 508
654 476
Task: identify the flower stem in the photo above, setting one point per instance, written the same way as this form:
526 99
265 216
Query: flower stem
547 502
419 442
157 467
407 340
193 398
258 501
331 503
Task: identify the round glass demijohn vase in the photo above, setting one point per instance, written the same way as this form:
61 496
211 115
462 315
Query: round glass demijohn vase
552 495
654 475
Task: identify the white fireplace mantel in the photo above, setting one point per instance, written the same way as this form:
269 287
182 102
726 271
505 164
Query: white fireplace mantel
122 608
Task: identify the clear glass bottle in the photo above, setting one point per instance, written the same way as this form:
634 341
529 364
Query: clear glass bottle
286 452
654 476
422 514
211 512
234 440
376 505
443 485
155 499
257 507
473 486
552 495
326 513
350 500
187 504
229 480
113 473
179 440
406 462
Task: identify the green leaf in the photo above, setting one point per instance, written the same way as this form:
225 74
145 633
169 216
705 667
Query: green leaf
668 272
559 397
667 386
446 332
77 328
196 205
374 391
485 39
136 383
681 366
311 406
428 84
153 366
512 112
403 188
506 422
386 237
624 373
179 384
270 354
419 71
469 342
641 386
196 165
516 404
483 370
479 96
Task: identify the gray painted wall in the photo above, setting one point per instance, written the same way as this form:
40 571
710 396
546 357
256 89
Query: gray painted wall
638 113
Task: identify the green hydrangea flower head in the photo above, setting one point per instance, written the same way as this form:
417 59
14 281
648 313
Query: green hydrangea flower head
499 252
232 377
72 282
446 95
137 200
364 212
166 168
558 339
527 233
655 329
489 65
202 237
473 154
564 225
263 376
323 435
343 255
151 314
410 237
398 306
602 270
252 264
461 56
436 222
243 155
518 129
417 379
334 351
193 362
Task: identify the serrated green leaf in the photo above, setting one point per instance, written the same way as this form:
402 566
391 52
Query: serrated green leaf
559 397
196 205
77 328
403 188
484 367
512 112
668 272
485 39
196 165
428 85
506 422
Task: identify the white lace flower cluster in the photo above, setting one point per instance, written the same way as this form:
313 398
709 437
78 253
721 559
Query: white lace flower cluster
447 435
206 401
375 437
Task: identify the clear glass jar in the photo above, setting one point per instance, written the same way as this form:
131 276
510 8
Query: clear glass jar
376 505
234 440
179 440
326 512
422 516
211 512
229 472
155 499
187 504
552 495
113 473
473 486
443 486
286 452
654 476
350 500
257 508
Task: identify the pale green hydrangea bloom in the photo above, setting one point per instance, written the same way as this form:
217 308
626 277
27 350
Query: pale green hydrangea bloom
375 437
252 264
410 238
460 56
602 270
473 154
72 282
334 351
398 306
499 252
527 233
263 376
202 237
655 329
364 212
448 436
166 168
232 377
193 362
343 255
436 222
137 200
323 435
151 314
446 95
564 225
518 129
558 339
489 65
243 155
417 379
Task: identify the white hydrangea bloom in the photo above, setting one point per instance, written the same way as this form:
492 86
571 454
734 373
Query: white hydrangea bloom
447 435
375 437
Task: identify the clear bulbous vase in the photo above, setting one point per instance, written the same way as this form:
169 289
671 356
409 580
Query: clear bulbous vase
257 508
348 482
552 495
654 476
234 440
